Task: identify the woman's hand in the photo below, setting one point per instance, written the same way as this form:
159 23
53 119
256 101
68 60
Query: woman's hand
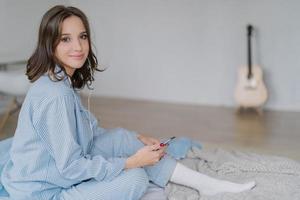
148 155
148 140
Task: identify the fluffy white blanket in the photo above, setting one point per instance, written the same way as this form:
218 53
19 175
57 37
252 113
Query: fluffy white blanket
277 178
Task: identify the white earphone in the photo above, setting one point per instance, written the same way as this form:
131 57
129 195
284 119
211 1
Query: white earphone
88 102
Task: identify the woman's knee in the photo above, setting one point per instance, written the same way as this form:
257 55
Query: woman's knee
122 133
125 137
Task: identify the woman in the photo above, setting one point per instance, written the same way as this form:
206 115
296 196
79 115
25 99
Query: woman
60 152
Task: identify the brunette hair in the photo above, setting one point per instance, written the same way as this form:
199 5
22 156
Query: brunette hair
43 59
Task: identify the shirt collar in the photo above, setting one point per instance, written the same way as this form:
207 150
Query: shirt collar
61 74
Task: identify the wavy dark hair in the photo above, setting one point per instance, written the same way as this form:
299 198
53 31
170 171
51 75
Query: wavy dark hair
43 59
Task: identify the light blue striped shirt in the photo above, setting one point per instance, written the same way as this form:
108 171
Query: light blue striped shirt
52 144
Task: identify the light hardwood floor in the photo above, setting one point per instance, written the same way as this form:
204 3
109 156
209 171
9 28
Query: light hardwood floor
273 133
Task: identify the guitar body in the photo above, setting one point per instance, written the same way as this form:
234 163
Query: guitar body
250 92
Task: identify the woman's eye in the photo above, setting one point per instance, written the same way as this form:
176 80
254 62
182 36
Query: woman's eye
84 36
65 39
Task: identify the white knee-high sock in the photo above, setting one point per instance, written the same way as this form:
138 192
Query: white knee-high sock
204 184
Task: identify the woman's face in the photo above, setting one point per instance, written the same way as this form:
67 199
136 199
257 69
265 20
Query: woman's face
73 47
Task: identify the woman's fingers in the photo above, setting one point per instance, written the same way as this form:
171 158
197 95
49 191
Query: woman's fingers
159 153
156 141
152 154
158 149
155 147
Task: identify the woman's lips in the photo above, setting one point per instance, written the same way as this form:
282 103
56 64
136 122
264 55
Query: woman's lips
77 57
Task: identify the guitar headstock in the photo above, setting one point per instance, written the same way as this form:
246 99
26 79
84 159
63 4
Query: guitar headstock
249 29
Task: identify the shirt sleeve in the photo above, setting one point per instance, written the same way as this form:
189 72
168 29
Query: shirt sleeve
55 123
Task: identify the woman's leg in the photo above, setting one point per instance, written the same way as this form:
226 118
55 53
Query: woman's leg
121 142
117 142
129 185
205 184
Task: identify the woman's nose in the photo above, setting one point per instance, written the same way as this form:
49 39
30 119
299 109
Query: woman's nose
77 46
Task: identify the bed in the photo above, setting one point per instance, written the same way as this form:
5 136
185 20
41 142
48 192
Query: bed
277 178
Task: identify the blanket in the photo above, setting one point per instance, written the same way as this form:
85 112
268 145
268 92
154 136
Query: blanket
277 178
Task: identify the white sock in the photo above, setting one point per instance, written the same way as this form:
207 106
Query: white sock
204 184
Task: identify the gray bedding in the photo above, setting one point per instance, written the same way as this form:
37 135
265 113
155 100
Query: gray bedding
277 178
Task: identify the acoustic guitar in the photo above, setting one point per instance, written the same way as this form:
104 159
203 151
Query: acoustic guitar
250 91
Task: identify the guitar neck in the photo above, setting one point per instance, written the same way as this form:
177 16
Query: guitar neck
249 28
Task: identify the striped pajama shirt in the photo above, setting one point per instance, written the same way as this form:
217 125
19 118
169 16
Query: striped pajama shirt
60 152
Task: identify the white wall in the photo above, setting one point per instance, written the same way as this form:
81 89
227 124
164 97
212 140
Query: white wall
188 51
19 22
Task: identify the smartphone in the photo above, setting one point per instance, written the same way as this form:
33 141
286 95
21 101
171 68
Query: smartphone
167 141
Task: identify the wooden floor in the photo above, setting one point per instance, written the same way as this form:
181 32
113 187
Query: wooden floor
274 132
